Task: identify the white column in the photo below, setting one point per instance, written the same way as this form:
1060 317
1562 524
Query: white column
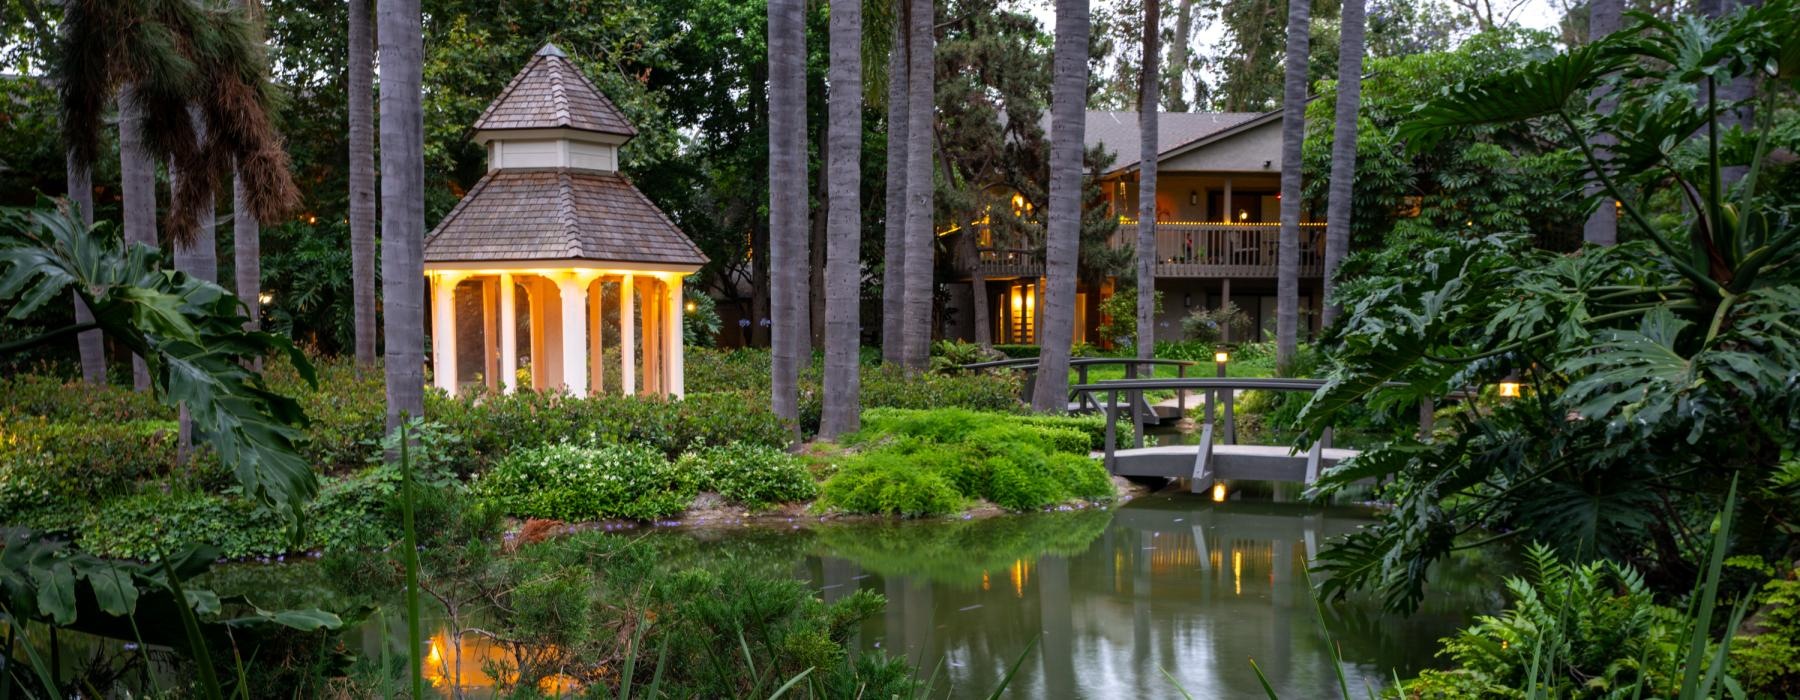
509 334
573 289
627 339
672 323
596 352
443 331
1230 214
649 338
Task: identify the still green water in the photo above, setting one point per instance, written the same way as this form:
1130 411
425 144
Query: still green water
1168 583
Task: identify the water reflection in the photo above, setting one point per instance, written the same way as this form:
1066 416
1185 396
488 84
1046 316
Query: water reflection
1169 583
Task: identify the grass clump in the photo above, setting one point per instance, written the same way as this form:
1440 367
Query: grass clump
570 482
756 476
916 463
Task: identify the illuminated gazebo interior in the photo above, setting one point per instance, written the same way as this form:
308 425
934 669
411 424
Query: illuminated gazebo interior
554 267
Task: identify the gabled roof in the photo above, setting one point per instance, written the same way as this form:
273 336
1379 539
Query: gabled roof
552 93
558 214
1118 131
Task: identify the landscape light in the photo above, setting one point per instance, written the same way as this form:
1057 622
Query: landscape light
265 298
1221 357
691 307
1509 386
1218 492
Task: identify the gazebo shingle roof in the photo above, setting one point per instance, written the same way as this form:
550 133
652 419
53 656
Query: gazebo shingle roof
558 214
552 93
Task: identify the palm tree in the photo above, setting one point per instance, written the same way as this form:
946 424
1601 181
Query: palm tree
844 226
246 232
1068 122
198 257
893 260
1338 209
1147 153
137 190
402 206
921 103
362 180
181 60
1293 133
1602 226
91 343
787 200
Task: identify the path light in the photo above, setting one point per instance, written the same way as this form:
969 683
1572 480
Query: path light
1221 357
265 298
1509 386
1218 492
691 307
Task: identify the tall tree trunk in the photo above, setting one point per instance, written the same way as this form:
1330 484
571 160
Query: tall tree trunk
402 207
1147 155
921 105
246 252
1062 236
1602 226
893 260
92 344
843 264
1175 96
1293 133
1339 209
787 200
817 234
362 180
198 258
137 189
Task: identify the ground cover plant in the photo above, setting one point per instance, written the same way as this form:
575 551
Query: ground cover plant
919 463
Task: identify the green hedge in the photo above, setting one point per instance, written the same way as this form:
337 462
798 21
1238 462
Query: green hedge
570 482
60 400
351 511
752 475
1018 351
916 463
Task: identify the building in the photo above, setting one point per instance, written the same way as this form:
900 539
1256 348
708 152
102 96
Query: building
1218 213
553 259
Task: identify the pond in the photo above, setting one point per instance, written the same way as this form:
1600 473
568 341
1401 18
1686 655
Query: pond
1119 600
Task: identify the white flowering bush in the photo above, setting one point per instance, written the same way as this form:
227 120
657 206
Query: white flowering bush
574 483
753 475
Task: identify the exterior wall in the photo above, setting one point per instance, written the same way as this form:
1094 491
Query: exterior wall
552 153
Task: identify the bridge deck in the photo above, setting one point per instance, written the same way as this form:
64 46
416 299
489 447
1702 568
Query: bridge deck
1250 462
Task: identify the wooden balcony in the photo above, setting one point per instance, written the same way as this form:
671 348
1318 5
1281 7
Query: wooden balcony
1183 249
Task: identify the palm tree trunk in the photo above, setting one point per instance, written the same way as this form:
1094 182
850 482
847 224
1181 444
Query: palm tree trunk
818 232
91 343
362 180
1293 133
137 189
893 277
843 265
1343 150
198 257
1176 95
787 200
1068 124
402 207
246 251
1147 155
1602 227
921 102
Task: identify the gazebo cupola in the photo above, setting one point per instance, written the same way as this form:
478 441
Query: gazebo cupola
554 245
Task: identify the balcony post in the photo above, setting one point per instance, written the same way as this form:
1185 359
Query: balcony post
1227 215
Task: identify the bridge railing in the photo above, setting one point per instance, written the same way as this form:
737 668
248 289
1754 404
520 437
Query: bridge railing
1085 400
1218 392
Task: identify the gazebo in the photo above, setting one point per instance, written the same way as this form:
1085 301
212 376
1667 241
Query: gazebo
554 245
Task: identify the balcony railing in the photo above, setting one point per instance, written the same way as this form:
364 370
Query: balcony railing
1188 249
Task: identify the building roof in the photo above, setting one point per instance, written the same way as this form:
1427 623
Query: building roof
1118 131
552 93
558 214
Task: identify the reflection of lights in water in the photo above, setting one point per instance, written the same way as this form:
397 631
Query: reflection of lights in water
1020 573
984 580
467 665
1237 572
1118 571
1175 552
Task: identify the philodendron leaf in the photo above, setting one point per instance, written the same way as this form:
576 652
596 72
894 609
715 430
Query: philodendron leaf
56 591
303 620
114 589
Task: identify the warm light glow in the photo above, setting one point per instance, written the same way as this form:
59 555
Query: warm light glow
691 307
1237 572
266 298
1509 390
1221 357
1243 215
1218 493
1019 575
312 219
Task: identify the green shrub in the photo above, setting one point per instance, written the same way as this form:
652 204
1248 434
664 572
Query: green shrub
496 426
1767 662
1093 427
348 410
1016 463
62 466
570 482
1017 351
890 484
151 524
753 475
60 400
